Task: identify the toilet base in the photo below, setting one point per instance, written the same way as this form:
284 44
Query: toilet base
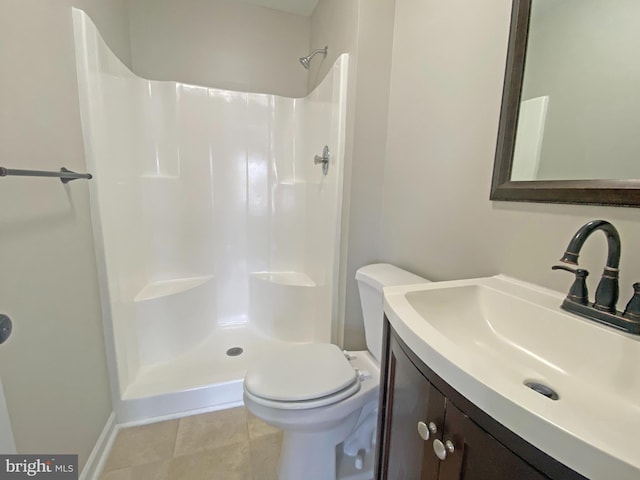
315 440
321 456
312 455
341 465
347 470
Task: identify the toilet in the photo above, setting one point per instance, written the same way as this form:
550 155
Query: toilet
325 399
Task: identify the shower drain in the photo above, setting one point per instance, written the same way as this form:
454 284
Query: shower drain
234 351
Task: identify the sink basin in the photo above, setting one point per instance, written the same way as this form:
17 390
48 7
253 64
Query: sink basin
492 338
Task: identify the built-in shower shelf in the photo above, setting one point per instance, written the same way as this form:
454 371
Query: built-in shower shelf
167 288
292 279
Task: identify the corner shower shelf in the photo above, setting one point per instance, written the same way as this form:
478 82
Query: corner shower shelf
166 288
291 279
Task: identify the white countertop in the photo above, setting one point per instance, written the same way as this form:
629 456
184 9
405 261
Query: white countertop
506 331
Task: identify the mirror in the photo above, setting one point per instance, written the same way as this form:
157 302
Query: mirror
569 124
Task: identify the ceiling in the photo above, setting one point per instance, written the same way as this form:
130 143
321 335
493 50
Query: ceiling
299 7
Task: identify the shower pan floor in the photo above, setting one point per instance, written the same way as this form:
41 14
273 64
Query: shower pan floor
205 376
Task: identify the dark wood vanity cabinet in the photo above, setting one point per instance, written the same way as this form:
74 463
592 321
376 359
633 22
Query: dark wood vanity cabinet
477 455
411 399
412 393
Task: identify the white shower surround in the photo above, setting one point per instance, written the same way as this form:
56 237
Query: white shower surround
213 226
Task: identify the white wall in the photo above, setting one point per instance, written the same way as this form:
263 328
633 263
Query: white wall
219 43
334 24
53 368
363 28
446 85
375 36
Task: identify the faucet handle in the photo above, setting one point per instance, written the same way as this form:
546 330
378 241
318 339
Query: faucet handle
578 292
633 307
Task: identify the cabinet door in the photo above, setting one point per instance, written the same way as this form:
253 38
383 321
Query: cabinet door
477 455
411 399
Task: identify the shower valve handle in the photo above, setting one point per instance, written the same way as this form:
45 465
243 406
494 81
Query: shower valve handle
323 160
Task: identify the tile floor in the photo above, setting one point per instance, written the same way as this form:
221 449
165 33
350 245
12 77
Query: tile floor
224 445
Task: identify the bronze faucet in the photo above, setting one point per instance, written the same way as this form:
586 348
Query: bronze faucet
603 310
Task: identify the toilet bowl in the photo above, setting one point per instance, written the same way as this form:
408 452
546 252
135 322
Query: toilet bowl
314 427
324 399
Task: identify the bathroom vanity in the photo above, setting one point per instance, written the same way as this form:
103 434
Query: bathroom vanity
430 431
488 379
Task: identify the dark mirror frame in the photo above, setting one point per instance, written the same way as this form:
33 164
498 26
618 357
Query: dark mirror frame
594 192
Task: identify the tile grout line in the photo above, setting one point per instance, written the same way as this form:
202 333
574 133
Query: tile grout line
253 454
175 443
246 423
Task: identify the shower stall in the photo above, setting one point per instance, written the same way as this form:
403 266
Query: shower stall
217 235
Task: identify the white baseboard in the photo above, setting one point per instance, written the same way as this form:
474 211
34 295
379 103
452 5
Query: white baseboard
95 463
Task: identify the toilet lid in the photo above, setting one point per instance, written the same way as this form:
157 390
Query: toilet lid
300 372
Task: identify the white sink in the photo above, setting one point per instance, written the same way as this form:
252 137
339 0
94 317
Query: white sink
488 336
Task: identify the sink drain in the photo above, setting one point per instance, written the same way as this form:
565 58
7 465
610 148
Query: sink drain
234 351
542 389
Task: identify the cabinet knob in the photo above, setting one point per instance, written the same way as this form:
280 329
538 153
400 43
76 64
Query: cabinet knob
441 449
425 430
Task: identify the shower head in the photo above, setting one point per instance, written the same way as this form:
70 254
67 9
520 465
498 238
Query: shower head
306 61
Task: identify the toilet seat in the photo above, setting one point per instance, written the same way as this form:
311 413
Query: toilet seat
302 376
305 404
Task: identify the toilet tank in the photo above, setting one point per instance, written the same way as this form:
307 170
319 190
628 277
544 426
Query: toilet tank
371 279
